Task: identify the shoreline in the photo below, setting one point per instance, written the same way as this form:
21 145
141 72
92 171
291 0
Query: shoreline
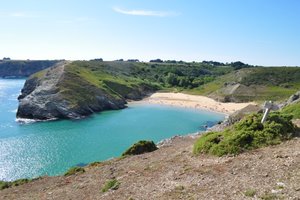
192 102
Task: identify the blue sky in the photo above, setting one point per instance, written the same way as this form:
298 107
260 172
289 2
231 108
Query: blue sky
259 32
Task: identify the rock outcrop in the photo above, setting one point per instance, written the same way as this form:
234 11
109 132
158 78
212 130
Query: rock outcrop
294 98
59 93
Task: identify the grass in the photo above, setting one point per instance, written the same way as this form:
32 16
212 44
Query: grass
74 170
268 196
140 148
250 193
247 134
4 184
112 184
292 109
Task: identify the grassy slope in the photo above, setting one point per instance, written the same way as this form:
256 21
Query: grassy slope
293 109
261 83
118 79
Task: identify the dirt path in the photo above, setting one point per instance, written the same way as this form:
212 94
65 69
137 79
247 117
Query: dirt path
172 172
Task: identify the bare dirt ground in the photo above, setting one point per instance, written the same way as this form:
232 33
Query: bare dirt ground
173 172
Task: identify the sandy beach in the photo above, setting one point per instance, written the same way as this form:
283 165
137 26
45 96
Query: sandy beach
193 101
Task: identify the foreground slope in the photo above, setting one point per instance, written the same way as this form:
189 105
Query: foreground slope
173 172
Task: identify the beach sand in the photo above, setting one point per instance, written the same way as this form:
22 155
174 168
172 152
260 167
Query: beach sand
193 101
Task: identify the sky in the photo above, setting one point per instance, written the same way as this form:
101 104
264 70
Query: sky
258 32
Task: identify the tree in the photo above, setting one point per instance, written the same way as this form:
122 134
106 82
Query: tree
184 82
171 79
157 61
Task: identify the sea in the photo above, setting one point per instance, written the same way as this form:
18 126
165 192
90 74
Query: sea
33 149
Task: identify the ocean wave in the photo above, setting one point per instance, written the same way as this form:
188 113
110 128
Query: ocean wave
30 121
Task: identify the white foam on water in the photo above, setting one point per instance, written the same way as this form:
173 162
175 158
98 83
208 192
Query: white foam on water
30 121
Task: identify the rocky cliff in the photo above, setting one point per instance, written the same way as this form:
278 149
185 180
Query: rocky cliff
69 91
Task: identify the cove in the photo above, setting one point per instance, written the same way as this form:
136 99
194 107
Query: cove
51 148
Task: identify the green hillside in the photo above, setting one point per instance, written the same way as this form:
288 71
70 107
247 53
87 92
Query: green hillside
224 83
79 88
253 84
121 79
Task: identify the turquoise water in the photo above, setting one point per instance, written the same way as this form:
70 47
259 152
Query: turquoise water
50 148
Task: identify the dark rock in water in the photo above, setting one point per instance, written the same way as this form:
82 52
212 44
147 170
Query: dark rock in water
81 164
210 124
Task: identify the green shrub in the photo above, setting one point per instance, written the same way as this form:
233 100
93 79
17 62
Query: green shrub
74 170
112 184
250 193
247 134
140 148
4 184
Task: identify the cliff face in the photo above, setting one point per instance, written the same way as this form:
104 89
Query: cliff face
17 69
67 91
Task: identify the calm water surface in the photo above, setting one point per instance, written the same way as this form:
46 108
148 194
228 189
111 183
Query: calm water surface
50 148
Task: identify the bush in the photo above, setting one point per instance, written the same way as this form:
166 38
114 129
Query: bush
4 184
112 184
74 170
140 148
247 134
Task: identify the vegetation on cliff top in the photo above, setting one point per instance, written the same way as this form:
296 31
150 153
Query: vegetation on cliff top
215 79
84 80
140 148
74 170
4 184
247 134
231 82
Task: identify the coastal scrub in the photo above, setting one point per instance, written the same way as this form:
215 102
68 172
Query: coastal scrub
74 170
4 184
247 134
140 147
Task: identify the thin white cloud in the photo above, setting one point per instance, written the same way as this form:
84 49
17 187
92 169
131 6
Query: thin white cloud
145 12
76 20
20 15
